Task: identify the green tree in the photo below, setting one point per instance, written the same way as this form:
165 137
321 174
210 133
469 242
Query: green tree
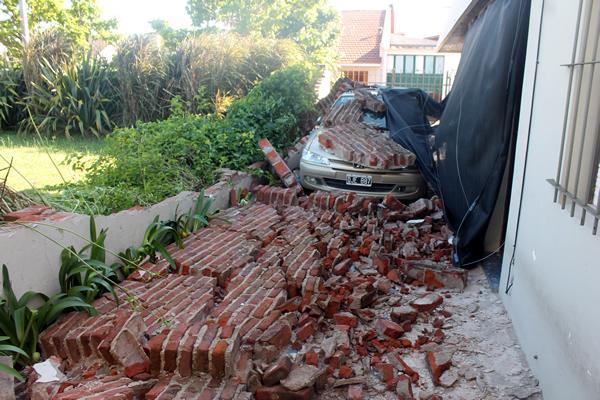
80 22
312 24
171 36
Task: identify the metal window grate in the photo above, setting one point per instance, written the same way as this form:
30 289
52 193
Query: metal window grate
577 185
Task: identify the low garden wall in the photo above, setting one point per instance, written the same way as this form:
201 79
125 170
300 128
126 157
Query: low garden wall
31 251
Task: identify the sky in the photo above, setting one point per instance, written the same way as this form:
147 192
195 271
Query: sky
415 17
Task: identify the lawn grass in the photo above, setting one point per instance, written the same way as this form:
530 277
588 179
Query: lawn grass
30 158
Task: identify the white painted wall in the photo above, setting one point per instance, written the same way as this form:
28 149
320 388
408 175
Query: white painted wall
33 260
554 301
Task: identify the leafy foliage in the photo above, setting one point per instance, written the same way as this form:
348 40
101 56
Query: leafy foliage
85 274
68 93
21 324
228 63
10 350
157 237
76 98
144 80
154 160
277 108
160 234
79 20
11 91
312 24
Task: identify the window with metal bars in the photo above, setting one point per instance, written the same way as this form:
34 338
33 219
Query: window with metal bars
577 184
358 76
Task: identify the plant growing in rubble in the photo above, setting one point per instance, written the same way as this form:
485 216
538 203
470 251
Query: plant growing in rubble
160 234
157 237
9 350
21 324
85 274
198 216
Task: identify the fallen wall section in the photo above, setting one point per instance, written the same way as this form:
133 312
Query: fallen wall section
32 253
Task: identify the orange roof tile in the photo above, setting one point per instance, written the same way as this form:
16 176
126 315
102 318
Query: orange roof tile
361 36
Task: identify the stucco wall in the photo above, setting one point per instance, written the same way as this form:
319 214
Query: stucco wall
33 260
556 273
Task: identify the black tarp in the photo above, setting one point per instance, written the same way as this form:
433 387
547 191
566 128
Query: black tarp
478 121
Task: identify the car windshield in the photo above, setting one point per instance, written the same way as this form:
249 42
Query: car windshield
369 117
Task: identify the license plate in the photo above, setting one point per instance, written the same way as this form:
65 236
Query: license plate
359 180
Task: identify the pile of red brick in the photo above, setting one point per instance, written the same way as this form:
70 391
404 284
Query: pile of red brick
361 144
271 300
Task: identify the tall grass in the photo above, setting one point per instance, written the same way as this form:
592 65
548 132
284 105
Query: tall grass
67 93
144 79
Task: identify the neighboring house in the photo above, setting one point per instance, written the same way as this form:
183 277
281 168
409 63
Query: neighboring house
551 261
371 51
360 45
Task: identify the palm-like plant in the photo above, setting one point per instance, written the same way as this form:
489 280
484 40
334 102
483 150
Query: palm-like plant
10 350
21 324
85 274
74 98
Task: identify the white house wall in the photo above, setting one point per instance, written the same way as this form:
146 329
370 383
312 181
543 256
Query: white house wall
554 300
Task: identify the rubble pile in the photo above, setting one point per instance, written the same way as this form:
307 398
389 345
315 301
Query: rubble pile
286 298
348 136
361 144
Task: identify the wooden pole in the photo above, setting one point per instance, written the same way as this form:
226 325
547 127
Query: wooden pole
24 24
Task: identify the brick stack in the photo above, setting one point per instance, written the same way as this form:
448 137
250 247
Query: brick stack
281 169
349 112
369 101
361 144
341 86
262 280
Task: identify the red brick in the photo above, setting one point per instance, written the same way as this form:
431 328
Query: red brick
311 358
427 302
306 331
278 371
438 362
345 372
217 359
388 328
280 393
346 318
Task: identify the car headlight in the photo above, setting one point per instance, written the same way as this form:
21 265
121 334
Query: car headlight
315 158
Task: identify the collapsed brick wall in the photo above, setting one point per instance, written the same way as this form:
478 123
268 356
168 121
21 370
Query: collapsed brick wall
256 280
361 144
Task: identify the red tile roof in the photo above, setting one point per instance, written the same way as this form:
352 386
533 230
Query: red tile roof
361 36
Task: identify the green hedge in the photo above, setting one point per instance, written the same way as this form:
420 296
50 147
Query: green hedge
154 160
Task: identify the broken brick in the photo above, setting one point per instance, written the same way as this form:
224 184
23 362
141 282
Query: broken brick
281 393
438 362
278 371
388 328
403 313
427 303
346 318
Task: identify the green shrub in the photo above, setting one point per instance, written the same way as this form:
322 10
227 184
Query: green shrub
226 63
155 160
12 88
276 108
